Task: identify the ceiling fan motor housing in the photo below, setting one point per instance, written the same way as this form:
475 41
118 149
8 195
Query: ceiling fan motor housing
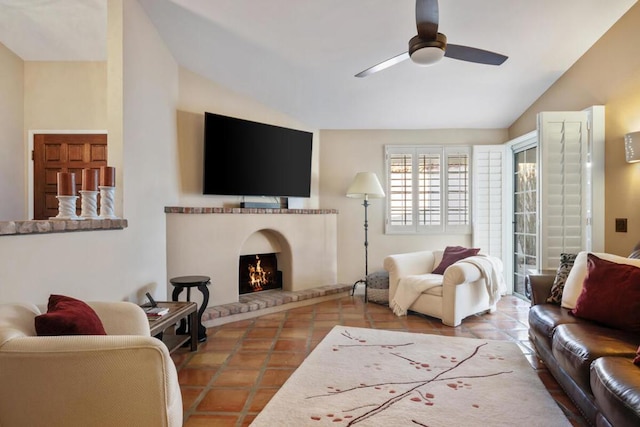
427 52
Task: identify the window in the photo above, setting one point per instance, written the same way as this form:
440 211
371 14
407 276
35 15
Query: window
428 189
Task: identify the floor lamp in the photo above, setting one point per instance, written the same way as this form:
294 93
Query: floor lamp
365 186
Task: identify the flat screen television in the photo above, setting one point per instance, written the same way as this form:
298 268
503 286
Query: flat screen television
245 158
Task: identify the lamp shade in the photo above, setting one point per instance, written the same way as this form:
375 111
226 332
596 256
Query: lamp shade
632 147
365 185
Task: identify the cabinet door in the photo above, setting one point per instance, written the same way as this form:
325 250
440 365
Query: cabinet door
53 153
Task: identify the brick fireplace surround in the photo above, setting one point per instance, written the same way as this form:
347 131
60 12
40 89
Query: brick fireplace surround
209 241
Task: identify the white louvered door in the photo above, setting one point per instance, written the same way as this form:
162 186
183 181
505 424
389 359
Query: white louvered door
564 223
488 198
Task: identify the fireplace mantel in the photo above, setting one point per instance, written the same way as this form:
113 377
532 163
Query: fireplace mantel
200 210
210 240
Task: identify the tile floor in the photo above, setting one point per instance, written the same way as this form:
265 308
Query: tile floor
241 366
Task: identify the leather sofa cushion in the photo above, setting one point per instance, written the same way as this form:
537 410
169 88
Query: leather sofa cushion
615 382
576 345
543 318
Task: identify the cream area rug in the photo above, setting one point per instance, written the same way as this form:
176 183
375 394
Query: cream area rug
370 377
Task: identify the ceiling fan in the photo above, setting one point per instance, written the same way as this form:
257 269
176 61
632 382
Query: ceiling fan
429 46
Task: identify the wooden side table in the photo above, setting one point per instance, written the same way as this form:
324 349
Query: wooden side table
189 282
178 311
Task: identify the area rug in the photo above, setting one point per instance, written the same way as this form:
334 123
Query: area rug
371 377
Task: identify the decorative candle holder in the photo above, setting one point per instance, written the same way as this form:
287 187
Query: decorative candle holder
107 202
89 204
66 208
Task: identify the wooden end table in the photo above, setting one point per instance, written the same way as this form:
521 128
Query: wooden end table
178 310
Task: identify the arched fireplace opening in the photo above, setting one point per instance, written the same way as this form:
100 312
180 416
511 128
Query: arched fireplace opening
264 262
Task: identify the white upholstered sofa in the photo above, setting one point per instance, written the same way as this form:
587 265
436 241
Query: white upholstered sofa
125 378
462 290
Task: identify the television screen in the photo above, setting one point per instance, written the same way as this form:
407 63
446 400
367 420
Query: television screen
245 158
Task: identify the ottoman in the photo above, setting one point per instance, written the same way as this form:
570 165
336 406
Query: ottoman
378 287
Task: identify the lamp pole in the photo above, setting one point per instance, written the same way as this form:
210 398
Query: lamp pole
366 251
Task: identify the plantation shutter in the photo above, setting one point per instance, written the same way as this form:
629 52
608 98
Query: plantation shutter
428 189
563 182
489 198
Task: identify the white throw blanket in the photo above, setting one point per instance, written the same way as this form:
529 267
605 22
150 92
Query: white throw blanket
410 287
491 273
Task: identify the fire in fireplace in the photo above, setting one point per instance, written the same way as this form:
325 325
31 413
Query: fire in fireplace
259 272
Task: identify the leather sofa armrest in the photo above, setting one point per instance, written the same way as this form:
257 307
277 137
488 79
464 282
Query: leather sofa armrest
540 287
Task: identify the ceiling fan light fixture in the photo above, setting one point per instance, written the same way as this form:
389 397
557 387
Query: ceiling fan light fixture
427 52
427 56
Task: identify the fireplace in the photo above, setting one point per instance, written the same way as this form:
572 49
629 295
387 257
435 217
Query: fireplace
259 272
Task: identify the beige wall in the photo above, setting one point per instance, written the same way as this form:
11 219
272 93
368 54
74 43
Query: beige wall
608 74
65 95
123 264
12 161
197 95
343 154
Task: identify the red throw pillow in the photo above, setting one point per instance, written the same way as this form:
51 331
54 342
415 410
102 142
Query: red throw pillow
68 316
610 295
453 254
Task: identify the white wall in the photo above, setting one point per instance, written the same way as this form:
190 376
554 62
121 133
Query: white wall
122 264
347 152
12 160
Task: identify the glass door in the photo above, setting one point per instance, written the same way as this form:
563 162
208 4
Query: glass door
525 217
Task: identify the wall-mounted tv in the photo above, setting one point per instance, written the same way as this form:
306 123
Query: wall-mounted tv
245 158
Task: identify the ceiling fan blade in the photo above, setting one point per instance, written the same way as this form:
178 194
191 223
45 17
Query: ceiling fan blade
384 64
472 54
427 16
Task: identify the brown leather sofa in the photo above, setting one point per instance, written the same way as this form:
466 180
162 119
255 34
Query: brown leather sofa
592 363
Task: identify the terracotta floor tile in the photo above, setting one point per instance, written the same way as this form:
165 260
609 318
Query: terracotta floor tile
189 396
275 377
211 421
208 359
229 333
297 323
262 333
247 360
266 323
295 333
216 344
290 345
248 419
261 398
286 359
224 400
256 345
327 324
194 377
232 377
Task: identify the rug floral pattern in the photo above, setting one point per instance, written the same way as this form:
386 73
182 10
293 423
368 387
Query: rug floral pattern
369 377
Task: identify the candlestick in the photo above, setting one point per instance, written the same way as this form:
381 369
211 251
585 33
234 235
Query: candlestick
89 204
66 184
107 176
107 202
66 207
90 179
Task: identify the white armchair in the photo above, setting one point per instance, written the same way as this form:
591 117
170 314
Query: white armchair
465 288
125 378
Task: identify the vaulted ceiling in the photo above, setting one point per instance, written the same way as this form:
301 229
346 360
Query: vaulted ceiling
300 56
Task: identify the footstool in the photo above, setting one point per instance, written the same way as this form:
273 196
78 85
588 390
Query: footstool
378 287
